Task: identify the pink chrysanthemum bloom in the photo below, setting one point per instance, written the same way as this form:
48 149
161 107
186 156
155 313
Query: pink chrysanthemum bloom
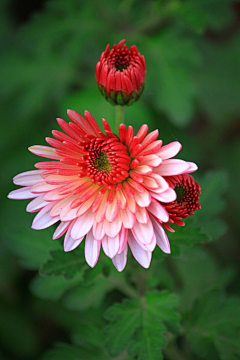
105 187
187 190
120 74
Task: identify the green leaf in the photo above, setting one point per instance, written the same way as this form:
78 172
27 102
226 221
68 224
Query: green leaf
53 287
172 59
215 322
33 247
198 274
84 296
139 325
202 14
213 186
186 236
66 264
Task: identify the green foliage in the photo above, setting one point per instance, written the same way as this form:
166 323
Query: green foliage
65 351
66 264
215 321
140 325
191 95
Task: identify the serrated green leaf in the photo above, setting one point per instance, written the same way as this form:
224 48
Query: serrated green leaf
66 264
139 325
215 321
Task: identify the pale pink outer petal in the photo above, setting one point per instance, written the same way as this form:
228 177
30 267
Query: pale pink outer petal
192 167
22 194
43 219
170 150
143 257
92 249
123 236
36 204
172 167
143 232
120 260
162 239
110 245
112 229
98 230
82 225
167 196
28 178
128 218
151 246
61 229
44 151
69 243
142 199
158 210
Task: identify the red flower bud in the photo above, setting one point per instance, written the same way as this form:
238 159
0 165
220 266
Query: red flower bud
120 74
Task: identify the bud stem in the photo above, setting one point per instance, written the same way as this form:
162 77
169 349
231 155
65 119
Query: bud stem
119 116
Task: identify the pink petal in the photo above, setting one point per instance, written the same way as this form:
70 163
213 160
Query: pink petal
162 239
170 150
143 232
98 230
43 219
142 256
151 246
158 210
172 167
43 187
61 229
141 215
120 260
142 199
82 225
28 178
123 236
44 151
92 249
112 229
112 210
151 160
36 204
192 167
110 245
22 194
69 243
128 218
167 196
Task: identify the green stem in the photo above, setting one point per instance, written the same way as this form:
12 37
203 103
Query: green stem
119 116
124 287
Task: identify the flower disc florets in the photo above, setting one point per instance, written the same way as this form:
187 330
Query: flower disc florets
187 191
110 190
120 74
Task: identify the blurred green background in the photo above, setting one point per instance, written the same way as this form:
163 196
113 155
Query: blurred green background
49 50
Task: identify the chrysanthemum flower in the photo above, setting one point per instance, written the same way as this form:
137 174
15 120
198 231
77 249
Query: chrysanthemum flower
108 188
187 191
120 74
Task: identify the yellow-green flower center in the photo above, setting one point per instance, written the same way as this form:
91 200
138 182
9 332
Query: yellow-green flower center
181 192
102 163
